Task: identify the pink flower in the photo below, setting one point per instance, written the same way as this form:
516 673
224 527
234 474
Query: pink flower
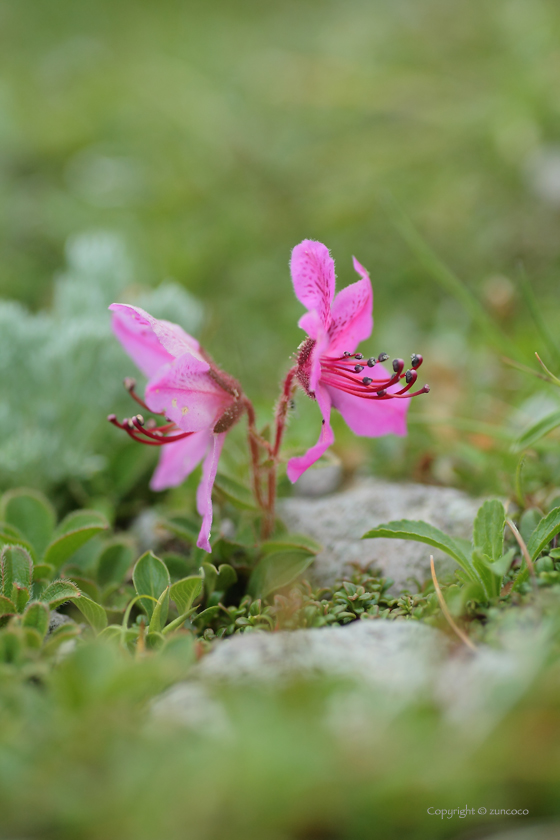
200 402
328 368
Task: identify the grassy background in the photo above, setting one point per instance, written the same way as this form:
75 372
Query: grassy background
214 137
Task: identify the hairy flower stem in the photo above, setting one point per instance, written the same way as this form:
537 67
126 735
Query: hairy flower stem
255 441
288 389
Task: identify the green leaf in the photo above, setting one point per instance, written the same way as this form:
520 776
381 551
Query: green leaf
60 591
183 527
159 615
489 580
406 529
277 570
114 561
36 615
206 616
488 530
545 531
7 607
210 578
16 566
227 576
32 514
502 566
116 632
12 536
185 592
238 494
72 533
178 622
528 522
93 613
292 541
33 638
20 596
43 571
537 431
150 577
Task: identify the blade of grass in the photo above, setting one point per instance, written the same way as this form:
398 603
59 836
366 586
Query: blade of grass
522 546
533 307
447 279
457 630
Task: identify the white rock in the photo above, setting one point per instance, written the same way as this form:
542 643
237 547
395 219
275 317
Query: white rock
339 521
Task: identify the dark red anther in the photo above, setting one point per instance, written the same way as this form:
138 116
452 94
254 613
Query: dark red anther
367 380
398 365
371 362
358 356
410 376
346 353
381 393
382 357
416 360
358 368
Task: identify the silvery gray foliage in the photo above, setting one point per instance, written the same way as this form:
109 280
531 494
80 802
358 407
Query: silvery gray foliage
61 370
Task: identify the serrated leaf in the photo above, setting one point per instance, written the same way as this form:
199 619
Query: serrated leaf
238 494
114 562
488 530
32 514
159 615
93 613
7 607
150 577
59 591
185 592
277 570
16 566
537 431
36 615
407 529
292 541
72 533
545 531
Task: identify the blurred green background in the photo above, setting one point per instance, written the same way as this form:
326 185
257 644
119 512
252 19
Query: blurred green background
212 137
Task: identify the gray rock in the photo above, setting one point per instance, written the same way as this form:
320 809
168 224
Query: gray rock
320 481
398 655
339 521
56 619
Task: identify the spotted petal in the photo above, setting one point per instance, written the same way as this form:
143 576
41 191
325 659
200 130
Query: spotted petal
352 319
313 277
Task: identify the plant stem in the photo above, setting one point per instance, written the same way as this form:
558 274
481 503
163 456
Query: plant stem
253 438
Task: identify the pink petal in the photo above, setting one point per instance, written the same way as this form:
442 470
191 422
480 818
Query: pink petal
178 460
313 277
352 319
171 337
204 492
140 342
185 393
372 418
322 343
297 466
